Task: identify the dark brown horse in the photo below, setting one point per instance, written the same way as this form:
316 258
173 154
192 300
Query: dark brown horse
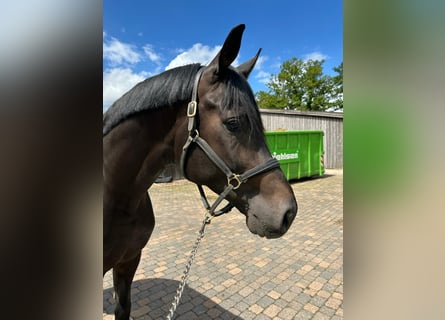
217 135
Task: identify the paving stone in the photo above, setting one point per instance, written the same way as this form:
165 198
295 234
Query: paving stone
273 294
265 301
200 309
303 315
318 301
252 298
187 316
247 314
246 291
327 311
237 275
257 309
303 298
272 310
321 316
310 307
339 312
214 312
241 306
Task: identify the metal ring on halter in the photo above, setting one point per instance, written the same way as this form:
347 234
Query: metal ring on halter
234 177
194 134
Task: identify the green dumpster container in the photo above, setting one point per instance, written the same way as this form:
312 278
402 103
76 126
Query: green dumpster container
300 153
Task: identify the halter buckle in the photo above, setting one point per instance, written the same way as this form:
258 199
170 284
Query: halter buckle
191 109
236 181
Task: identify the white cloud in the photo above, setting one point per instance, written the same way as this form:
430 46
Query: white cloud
260 62
198 53
117 52
117 81
151 54
315 56
263 76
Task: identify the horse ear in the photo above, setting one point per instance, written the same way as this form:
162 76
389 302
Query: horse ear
229 50
247 67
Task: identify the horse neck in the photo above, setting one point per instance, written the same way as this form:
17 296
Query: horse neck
143 145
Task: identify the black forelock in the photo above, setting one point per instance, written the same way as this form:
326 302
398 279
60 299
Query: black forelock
239 98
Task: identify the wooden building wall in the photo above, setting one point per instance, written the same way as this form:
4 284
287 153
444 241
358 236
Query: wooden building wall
331 123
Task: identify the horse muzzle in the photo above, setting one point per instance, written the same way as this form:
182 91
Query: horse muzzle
267 221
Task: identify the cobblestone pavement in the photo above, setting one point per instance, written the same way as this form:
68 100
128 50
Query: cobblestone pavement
237 275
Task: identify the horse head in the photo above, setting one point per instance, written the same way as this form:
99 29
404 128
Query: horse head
228 119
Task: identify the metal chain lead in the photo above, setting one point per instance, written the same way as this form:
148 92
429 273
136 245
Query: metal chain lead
184 278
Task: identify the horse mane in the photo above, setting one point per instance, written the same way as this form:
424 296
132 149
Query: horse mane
175 86
165 89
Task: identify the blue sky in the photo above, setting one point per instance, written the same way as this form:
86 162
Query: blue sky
143 38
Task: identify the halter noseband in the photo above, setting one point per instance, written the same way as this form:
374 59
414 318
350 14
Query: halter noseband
233 180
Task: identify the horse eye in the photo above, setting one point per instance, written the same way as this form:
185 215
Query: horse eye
232 124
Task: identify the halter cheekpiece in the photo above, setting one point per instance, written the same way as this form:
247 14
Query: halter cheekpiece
234 180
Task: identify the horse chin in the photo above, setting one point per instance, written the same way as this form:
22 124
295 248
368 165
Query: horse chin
258 228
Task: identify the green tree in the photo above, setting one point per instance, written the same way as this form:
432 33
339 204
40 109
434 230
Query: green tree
337 80
302 85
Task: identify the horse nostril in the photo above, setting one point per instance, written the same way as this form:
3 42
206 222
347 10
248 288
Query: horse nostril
287 220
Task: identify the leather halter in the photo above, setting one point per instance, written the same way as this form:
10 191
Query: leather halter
234 180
